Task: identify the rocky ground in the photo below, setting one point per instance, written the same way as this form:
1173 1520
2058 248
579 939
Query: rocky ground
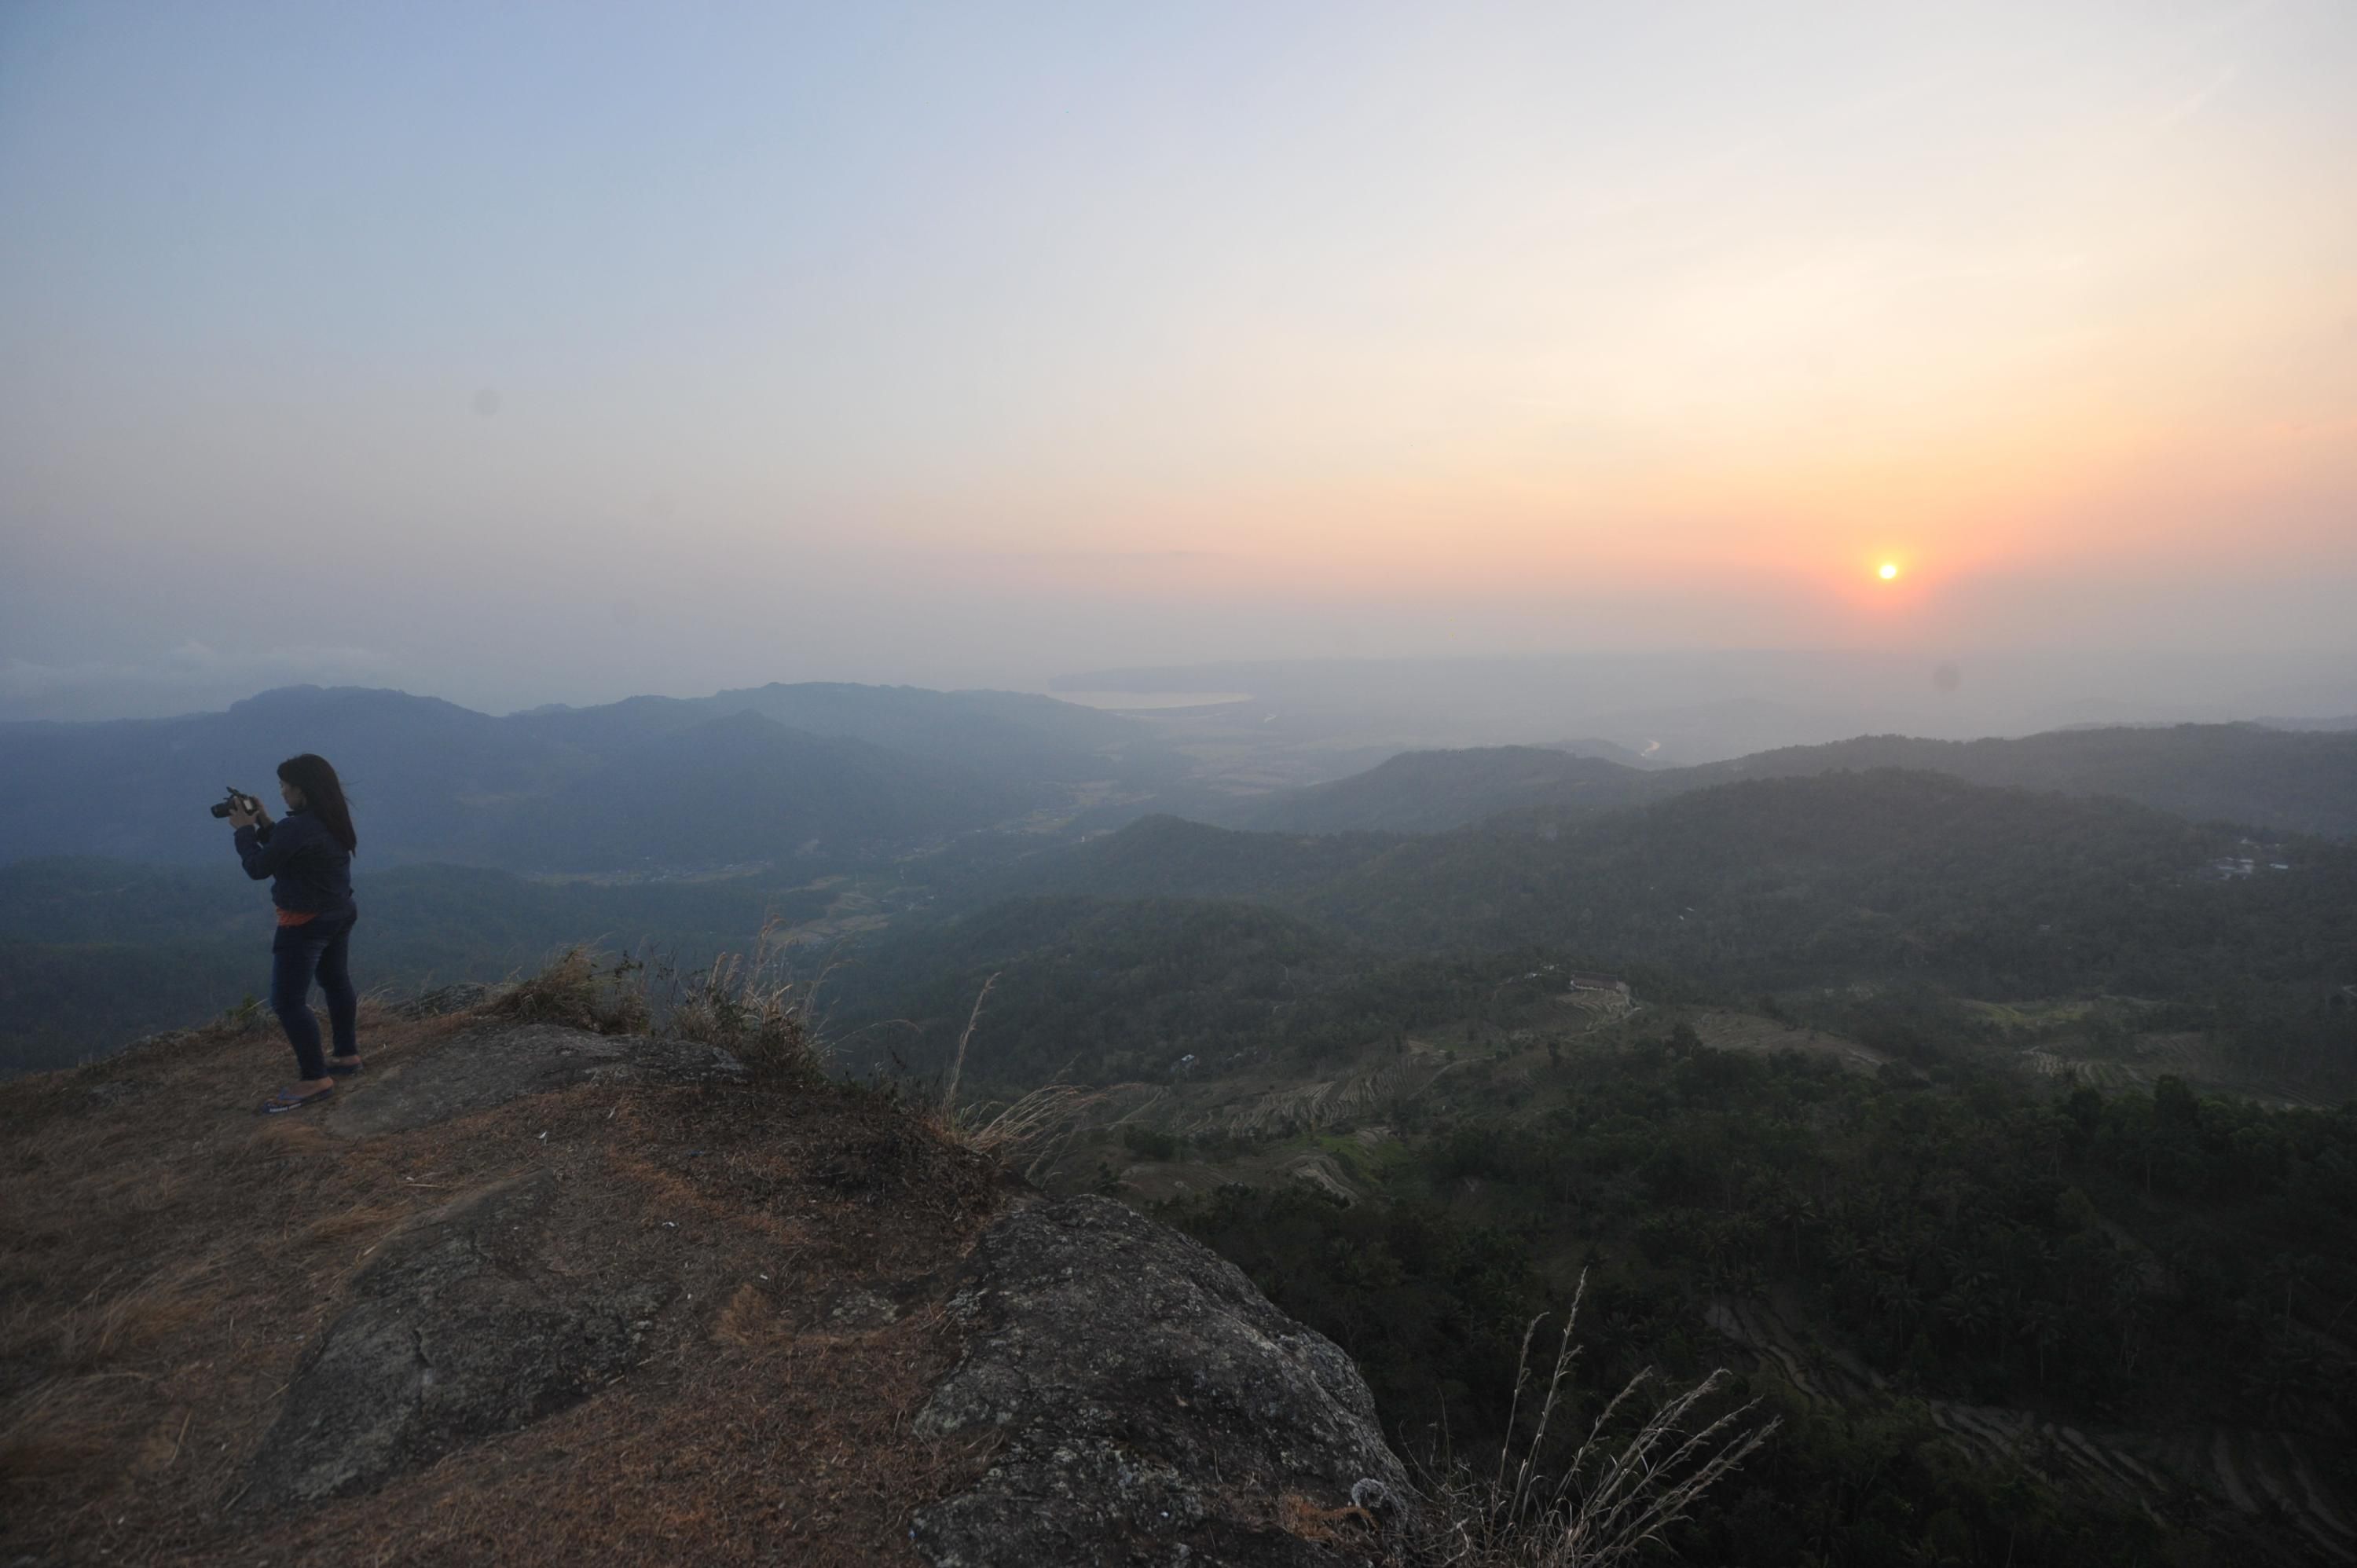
523 1293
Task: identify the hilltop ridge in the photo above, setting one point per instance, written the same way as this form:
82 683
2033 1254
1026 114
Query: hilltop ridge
525 1291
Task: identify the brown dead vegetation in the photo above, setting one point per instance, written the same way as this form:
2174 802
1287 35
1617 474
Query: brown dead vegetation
165 1256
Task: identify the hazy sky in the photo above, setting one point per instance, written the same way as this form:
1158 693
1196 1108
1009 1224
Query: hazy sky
542 351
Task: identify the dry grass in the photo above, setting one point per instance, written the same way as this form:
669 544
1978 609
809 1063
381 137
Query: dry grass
165 1256
161 1260
112 1322
957 1065
53 1430
1635 1473
1031 1130
1297 1516
754 1006
582 989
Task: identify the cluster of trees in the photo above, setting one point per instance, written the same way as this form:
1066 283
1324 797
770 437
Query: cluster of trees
2155 1260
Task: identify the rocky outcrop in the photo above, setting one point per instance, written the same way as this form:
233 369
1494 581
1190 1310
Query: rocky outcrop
619 1215
458 1330
489 1066
1151 1406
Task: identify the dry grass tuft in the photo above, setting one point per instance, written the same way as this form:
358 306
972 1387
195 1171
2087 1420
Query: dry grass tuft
754 1007
54 1431
957 1067
106 1327
1032 1129
1622 1488
584 989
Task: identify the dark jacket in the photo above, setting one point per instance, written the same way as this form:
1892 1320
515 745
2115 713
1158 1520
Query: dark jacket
313 872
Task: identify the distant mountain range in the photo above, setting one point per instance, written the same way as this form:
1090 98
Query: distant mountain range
2276 780
2273 780
830 773
769 772
1807 880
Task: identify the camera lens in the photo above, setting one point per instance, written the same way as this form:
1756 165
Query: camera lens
221 808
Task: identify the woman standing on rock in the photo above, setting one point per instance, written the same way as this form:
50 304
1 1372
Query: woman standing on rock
309 859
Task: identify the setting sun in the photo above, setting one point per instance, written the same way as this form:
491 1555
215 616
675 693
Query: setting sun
1889 571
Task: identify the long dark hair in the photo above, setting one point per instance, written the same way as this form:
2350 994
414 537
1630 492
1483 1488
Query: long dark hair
323 795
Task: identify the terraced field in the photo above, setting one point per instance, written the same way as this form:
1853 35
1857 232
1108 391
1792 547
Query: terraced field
2269 1477
1728 1030
2150 1057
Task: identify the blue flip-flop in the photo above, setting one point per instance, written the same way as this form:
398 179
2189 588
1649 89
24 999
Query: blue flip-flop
287 1099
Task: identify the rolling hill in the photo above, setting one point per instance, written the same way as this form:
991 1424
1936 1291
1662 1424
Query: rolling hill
2270 780
1797 881
1430 792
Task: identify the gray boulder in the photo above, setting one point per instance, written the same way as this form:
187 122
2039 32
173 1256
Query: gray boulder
457 1330
1152 1407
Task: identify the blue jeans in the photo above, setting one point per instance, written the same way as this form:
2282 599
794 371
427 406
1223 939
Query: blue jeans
319 949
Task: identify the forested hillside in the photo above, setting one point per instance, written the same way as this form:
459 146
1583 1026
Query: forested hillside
1903 1116
1147 942
2000 1325
1796 881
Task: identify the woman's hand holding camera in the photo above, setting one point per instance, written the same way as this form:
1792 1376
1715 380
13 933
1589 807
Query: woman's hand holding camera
247 813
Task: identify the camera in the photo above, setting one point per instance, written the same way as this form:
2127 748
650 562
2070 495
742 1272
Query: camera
236 801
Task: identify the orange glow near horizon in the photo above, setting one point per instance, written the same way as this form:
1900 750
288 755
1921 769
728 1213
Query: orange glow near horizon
1567 325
